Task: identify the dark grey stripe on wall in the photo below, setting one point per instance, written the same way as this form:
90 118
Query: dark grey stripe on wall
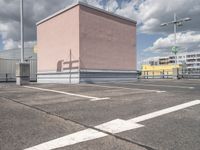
107 76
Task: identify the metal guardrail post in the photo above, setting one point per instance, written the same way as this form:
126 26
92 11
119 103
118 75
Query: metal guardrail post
153 74
167 75
6 77
163 74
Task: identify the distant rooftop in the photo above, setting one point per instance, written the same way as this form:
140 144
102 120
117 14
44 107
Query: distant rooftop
86 5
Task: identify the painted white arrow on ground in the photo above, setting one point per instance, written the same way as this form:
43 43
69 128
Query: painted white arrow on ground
114 126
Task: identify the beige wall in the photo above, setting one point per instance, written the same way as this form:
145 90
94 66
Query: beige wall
55 38
106 42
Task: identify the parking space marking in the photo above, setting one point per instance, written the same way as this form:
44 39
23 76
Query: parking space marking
109 128
119 87
99 99
67 93
159 85
84 135
164 111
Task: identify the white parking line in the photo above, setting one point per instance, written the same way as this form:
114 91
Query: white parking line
114 126
99 99
119 87
85 135
160 85
164 111
67 93
71 139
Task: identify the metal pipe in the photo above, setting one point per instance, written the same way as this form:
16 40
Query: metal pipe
175 19
22 31
175 25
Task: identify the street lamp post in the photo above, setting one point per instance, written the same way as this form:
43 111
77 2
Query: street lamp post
22 30
176 22
22 68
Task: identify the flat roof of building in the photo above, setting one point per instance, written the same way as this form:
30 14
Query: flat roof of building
86 5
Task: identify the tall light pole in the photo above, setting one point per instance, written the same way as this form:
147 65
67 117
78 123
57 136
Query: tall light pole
22 68
22 30
176 22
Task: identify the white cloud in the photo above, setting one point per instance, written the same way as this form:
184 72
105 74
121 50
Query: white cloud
10 44
3 28
112 5
185 41
35 10
153 12
148 13
95 3
149 24
128 9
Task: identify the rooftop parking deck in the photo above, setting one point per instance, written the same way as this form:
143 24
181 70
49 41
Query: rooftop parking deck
140 115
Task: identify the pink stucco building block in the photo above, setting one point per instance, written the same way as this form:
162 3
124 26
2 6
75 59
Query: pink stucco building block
82 43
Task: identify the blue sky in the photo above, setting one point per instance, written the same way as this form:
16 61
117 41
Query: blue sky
152 40
143 42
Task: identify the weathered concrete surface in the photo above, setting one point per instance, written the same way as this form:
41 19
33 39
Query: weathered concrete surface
30 116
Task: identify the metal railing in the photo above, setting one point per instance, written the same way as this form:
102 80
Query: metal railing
190 73
168 74
6 77
8 69
152 74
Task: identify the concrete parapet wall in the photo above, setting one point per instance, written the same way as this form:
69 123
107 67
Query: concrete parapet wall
107 75
58 77
86 76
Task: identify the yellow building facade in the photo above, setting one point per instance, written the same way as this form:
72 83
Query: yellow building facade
158 71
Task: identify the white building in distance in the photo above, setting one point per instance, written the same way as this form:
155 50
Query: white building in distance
190 60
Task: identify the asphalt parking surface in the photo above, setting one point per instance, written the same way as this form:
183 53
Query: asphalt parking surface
71 116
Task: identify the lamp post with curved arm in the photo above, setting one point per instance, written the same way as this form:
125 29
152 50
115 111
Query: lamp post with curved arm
22 30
